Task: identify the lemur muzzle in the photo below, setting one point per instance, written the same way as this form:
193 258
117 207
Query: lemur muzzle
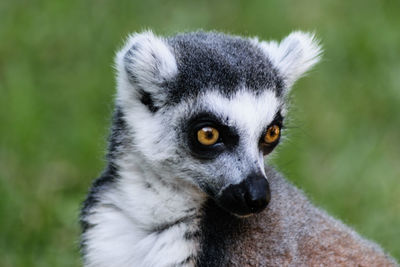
252 195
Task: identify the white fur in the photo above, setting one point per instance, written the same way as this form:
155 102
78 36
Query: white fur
293 56
128 214
152 63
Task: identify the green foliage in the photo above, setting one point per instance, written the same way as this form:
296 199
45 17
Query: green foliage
57 85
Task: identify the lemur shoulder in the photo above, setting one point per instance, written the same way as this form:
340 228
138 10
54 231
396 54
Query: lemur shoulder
186 183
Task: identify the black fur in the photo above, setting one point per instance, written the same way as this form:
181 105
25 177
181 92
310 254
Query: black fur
186 261
110 174
99 185
147 100
166 226
190 235
218 61
218 231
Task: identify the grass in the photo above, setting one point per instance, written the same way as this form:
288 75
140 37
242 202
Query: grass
57 85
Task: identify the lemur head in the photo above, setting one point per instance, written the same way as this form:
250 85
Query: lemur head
208 107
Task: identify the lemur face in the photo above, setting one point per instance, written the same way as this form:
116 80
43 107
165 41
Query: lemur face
206 108
224 141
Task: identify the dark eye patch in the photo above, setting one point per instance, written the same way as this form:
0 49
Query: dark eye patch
228 137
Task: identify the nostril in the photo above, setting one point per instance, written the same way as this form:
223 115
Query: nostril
256 204
257 196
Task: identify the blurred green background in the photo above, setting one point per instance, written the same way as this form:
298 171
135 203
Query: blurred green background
56 97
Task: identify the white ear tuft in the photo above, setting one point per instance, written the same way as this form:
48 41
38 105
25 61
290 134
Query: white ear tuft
143 64
294 55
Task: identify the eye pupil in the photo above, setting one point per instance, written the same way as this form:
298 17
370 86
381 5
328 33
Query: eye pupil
272 134
207 136
208 133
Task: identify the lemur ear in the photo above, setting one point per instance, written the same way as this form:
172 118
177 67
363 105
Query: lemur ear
294 55
143 65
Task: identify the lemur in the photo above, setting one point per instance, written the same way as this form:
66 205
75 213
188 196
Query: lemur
186 183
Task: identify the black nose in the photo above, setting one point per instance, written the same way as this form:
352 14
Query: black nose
252 195
258 194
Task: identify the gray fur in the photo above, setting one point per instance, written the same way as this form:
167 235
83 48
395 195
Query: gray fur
293 232
209 60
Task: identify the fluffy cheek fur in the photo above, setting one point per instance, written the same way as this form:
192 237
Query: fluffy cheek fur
153 135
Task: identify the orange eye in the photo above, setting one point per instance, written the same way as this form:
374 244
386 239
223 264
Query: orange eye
272 134
207 136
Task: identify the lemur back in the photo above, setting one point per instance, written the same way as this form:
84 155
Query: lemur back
186 183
